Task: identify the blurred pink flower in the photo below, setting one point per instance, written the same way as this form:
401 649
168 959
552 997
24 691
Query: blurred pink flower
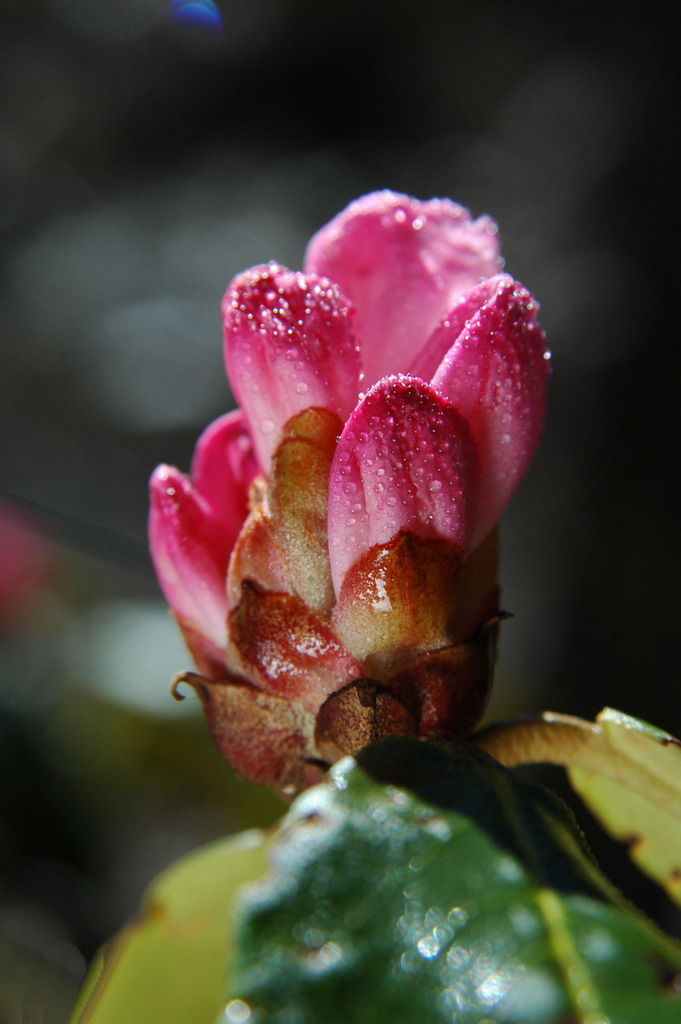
25 562
331 559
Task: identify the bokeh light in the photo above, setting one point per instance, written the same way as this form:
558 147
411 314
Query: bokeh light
202 13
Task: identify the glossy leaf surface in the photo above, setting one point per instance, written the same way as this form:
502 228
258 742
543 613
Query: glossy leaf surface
425 886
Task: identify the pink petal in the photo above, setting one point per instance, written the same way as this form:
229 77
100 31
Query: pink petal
190 556
405 461
289 345
223 468
495 374
448 330
403 264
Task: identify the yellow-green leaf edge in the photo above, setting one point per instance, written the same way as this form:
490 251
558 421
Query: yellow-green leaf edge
649 819
627 771
168 965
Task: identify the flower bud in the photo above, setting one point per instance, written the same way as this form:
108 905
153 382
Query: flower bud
332 560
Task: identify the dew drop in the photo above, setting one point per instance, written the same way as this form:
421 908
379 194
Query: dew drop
457 917
237 1012
428 947
324 957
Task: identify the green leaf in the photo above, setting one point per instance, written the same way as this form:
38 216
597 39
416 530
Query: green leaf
627 772
168 967
422 886
639 800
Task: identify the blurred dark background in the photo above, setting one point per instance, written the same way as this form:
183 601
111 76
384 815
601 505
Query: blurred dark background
144 159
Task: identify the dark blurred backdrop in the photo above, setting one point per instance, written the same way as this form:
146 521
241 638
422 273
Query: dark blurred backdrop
143 161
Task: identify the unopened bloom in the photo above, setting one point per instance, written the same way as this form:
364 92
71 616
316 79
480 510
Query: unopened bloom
331 559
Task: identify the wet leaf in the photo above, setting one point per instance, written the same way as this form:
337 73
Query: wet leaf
422 885
168 967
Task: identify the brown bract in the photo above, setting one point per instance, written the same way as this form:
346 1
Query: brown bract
406 649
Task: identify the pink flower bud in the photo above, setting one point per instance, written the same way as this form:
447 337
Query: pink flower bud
403 264
289 345
405 461
193 527
494 373
191 563
393 396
